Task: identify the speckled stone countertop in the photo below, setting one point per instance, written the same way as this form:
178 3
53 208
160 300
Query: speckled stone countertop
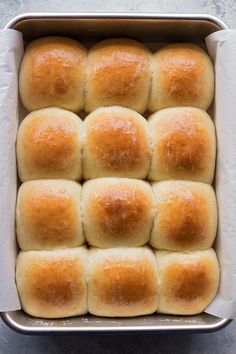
222 342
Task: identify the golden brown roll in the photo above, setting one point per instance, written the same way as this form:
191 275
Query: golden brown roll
188 281
117 144
48 215
53 284
49 144
186 216
123 282
183 75
118 73
184 145
117 212
52 74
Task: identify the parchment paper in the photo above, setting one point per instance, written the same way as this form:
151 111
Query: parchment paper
222 48
11 51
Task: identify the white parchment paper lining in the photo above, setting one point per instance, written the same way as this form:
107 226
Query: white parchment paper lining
222 48
11 51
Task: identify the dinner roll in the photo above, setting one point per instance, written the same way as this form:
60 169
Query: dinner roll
122 282
52 74
53 284
117 212
184 145
183 75
118 73
186 216
48 215
117 144
49 145
188 281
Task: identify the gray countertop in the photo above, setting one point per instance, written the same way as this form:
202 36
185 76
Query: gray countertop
220 342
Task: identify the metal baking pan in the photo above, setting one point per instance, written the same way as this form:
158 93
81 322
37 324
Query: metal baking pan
88 28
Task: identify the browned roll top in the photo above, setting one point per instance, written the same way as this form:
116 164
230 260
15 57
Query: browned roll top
52 74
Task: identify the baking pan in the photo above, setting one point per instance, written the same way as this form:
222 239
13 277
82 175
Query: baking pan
89 28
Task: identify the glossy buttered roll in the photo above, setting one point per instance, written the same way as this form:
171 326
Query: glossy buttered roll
52 73
123 282
184 145
48 215
185 216
117 143
117 212
183 75
188 281
49 145
118 73
53 284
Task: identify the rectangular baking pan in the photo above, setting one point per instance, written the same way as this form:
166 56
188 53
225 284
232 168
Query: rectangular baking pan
89 28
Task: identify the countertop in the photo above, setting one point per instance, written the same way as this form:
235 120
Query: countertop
220 342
